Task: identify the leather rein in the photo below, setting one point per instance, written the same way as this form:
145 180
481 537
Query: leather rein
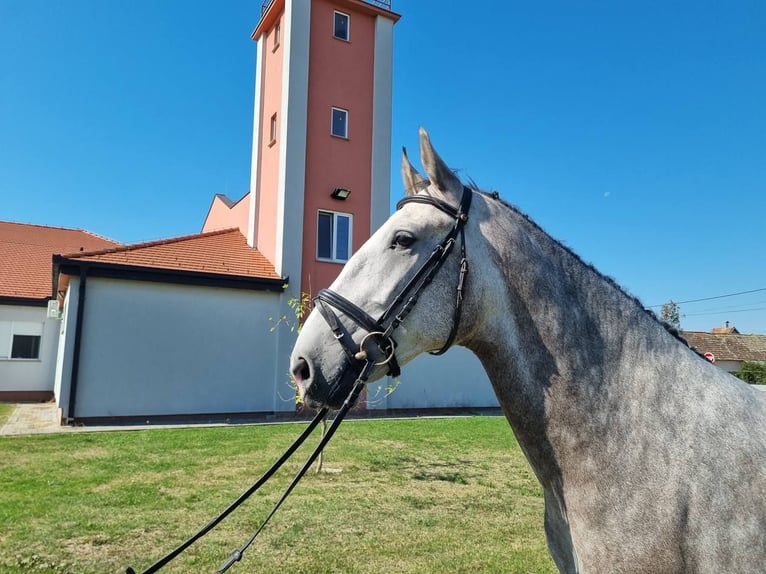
379 332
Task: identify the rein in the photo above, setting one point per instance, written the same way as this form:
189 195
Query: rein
236 556
381 331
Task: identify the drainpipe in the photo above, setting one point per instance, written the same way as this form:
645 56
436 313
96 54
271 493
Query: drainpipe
77 340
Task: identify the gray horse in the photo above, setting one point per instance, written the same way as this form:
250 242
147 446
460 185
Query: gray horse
651 459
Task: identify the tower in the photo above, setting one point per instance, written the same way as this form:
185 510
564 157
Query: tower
320 176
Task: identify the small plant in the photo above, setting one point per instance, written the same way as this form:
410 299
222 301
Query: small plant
300 306
382 393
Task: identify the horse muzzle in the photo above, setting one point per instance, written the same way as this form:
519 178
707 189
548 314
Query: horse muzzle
317 391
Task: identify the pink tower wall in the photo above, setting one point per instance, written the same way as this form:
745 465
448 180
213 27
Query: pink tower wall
268 175
340 75
223 216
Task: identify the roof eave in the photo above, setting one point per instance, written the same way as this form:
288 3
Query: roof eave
173 276
24 301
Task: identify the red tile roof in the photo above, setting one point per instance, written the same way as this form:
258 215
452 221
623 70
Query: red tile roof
724 330
223 252
728 346
26 253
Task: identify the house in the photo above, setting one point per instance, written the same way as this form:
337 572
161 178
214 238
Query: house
727 347
29 323
178 327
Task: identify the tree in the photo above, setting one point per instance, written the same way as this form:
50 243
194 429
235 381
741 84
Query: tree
671 314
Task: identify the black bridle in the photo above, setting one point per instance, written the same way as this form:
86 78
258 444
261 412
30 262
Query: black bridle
380 332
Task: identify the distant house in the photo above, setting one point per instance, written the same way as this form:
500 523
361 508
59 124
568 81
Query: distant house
728 347
29 324
178 327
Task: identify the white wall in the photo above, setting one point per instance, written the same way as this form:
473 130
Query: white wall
65 350
453 380
380 184
30 374
729 366
157 349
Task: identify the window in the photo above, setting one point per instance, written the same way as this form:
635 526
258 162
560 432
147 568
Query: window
20 339
273 130
334 236
341 26
339 123
277 37
25 347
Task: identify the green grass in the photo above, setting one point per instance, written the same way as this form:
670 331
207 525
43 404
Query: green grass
5 411
428 495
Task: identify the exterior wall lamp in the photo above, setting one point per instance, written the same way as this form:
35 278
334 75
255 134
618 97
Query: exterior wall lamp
340 193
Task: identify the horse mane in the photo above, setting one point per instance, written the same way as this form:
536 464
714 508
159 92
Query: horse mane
494 195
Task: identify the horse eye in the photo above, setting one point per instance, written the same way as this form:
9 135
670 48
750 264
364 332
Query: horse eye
403 240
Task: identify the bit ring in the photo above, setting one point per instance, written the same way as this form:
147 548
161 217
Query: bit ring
361 355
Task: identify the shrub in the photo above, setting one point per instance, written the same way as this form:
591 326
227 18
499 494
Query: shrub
753 372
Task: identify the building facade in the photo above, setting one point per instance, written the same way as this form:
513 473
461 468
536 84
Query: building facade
29 307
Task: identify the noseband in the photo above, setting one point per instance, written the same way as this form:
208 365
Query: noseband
380 332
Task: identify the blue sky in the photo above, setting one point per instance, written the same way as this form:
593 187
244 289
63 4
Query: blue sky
633 132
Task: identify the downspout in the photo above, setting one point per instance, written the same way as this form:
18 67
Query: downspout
77 340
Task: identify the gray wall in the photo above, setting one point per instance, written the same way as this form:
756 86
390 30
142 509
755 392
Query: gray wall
454 380
158 349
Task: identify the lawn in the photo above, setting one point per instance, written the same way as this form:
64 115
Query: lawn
425 495
5 411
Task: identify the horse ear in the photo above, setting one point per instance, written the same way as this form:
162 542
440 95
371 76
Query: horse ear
438 172
413 181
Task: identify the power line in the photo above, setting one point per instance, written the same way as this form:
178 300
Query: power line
735 307
711 298
722 312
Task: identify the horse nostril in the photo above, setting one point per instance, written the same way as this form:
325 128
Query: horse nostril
301 371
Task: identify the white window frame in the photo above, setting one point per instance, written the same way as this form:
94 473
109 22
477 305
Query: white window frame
336 13
332 123
10 329
334 247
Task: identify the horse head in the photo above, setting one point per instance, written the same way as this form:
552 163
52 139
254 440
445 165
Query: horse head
410 274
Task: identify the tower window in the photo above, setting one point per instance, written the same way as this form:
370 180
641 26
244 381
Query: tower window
339 123
277 36
341 26
334 236
273 130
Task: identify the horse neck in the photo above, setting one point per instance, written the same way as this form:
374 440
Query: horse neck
560 348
